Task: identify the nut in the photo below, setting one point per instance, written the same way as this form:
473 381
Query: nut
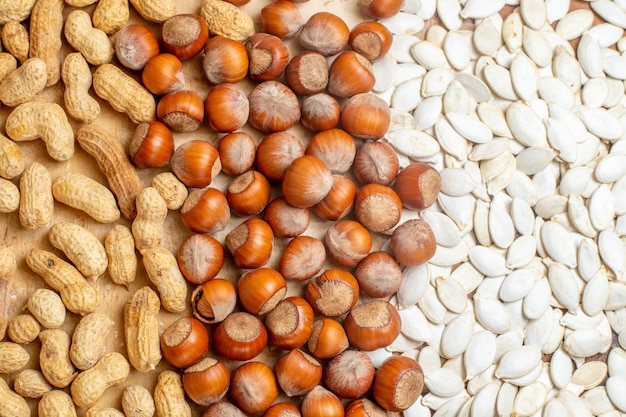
81 247
162 269
54 358
110 15
8 263
91 42
17 10
11 158
31 383
9 196
112 161
112 369
12 404
89 340
77 79
15 39
155 10
48 121
23 328
78 296
141 329
169 396
171 189
47 307
13 357
226 19
147 227
56 403
119 245
36 200
137 401
88 195
46 25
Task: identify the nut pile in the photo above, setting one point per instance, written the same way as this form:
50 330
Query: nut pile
427 222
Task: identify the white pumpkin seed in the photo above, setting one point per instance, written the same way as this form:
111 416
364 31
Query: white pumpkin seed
457 50
588 259
601 208
522 216
561 368
537 47
492 314
533 13
517 284
384 70
432 308
499 81
456 182
449 256
526 126
456 99
595 294
404 97
566 116
460 209
457 335
480 353
567 68
480 381
448 12
427 112
556 333
575 180
512 28
555 408
556 9
470 127
616 362
530 399
476 9
445 230
590 374
601 123
400 120
554 91
484 402
413 143
538 330
407 70
551 205
506 397
524 76
436 81
488 261
564 286
615 387
597 401
429 358
501 228
518 362
415 324
534 159
489 150
403 23
586 342
449 139
476 88
450 407
486 38
427 9
610 12
537 301
415 281
521 252
613 252
606 34
401 48
468 276
443 382
573 24
492 168
590 56
451 294
611 168
579 216
594 92
573 403
561 140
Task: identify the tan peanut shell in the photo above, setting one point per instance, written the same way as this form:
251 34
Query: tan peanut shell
15 39
47 307
163 271
46 25
119 245
141 329
137 401
8 64
77 78
112 369
11 158
13 357
9 196
147 227
17 10
23 328
171 189
169 396
54 358
124 93
3 326
111 15
103 412
89 340
36 201
226 19
8 261
93 43
81 247
80 3
48 121
114 164
88 195
56 403
78 296
155 10
24 83
30 383
12 404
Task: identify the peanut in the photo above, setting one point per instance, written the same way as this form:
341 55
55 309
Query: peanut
15 39
85 194
169 396
171 189
30 383
18 10
120 248
3 326
137 401
112 369
47 307
56 403
89 340
93 43
8 262
81 247
11 403
226 19
46 24
162 269
147 227
103 412
54 358
36 200
48 121
11 158
9 196
111 15
13 357
141 329
113 162
80 3
155 10
8 64
24 83
124 93
78 296
23 328
77 78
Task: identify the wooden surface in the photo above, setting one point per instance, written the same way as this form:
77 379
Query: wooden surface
14 292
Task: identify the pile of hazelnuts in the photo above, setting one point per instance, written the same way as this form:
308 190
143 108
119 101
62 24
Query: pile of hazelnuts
345 174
